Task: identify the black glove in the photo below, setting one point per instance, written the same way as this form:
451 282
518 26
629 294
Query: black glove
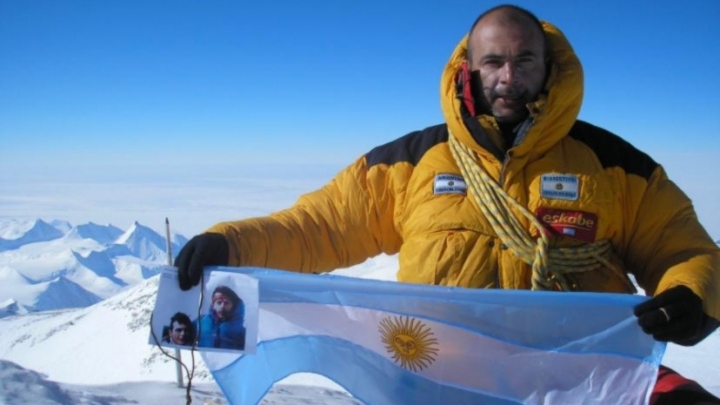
206 249
675 315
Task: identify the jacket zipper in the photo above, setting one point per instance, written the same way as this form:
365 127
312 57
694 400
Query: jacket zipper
525 127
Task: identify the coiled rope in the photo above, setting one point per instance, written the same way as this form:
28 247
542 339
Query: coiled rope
549 265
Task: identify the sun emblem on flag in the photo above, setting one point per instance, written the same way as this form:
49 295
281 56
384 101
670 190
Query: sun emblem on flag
410 342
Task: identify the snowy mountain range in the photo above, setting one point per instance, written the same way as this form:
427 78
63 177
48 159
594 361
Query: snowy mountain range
55 265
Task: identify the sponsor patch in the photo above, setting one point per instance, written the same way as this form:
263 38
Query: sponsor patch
560 186
449 184
575 224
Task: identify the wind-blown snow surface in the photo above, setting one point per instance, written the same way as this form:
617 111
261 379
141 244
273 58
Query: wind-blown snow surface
19 386
99 354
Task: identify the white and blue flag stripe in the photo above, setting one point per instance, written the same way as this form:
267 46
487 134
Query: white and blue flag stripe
391 343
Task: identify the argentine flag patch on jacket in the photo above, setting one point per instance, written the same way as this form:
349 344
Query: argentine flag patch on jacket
449 184
560 186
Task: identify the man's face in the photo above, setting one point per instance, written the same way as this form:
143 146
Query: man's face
179 333
510 62
222 306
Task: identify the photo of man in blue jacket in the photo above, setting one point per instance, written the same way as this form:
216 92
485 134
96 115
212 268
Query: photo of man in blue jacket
223 326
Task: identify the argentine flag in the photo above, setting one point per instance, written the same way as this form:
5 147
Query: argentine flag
390 343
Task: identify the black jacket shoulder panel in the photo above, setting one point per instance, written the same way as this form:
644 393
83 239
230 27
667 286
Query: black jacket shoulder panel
409 148
612 150
481 137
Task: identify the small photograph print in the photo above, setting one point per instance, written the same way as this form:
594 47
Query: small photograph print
229 312
175 310
221 315
179 330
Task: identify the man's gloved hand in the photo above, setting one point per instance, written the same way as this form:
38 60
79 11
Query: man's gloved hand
206 249
675 315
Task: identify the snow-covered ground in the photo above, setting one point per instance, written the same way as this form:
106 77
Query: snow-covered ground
19 386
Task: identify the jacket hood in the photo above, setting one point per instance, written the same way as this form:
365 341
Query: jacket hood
555 112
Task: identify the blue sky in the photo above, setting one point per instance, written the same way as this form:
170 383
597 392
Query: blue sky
320 79
133 83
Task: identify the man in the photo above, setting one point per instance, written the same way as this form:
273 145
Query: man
223 326
512 191
180 330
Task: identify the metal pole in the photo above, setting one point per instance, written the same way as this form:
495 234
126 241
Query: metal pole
178 368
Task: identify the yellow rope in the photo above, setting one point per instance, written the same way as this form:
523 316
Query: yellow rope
549 265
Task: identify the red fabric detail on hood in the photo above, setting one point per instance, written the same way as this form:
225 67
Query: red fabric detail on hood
464 88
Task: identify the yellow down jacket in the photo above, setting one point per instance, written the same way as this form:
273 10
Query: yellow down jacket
409 197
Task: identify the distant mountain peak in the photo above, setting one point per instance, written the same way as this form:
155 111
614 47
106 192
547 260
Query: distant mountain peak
135 230
40 222
144 242
62 293
103 234
10 307
40 231
40 226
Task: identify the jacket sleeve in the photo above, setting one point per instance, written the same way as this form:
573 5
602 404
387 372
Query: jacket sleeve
668 246
349 220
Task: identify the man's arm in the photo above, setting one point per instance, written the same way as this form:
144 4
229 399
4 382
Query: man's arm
668 249
349 220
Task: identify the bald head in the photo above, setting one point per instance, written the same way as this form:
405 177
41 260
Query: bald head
506 54
509 15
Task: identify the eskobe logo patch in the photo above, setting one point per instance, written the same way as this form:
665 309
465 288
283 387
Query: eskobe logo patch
575 224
